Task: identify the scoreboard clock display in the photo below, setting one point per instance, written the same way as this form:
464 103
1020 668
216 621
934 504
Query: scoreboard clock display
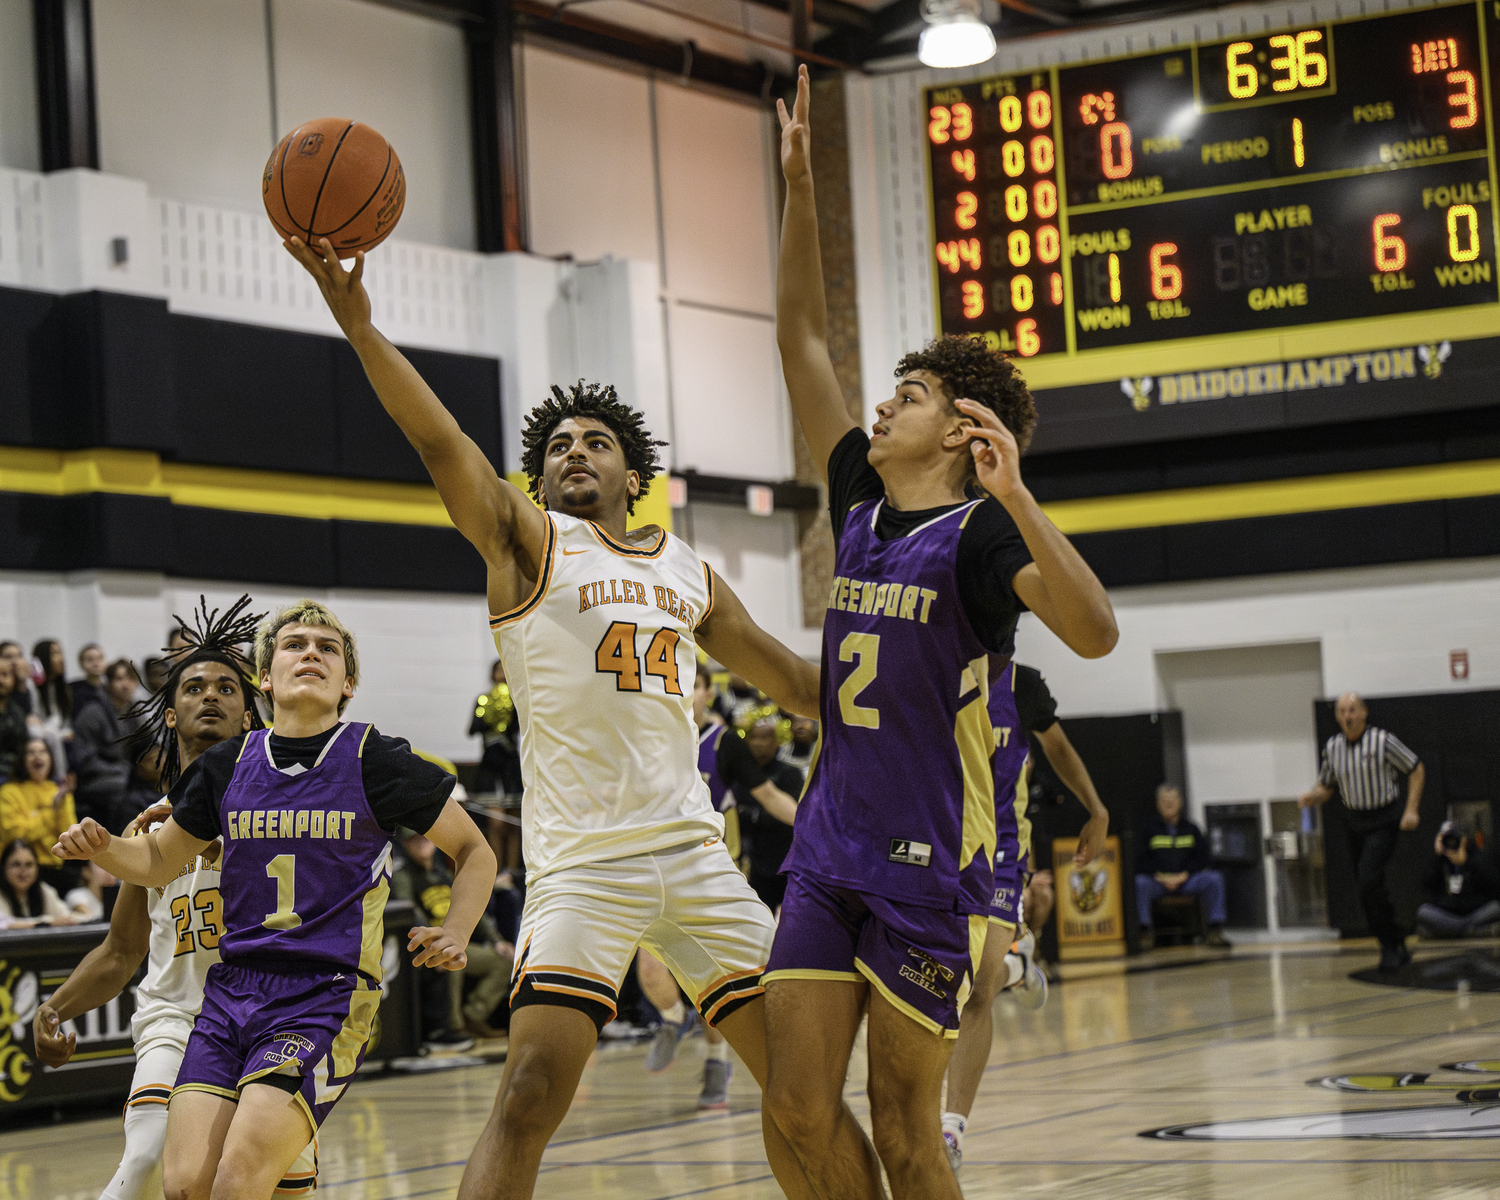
1322 173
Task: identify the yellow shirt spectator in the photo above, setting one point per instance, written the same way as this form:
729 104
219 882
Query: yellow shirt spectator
34 808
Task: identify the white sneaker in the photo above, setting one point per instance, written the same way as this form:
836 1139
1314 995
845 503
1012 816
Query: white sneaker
1030 990
955 1155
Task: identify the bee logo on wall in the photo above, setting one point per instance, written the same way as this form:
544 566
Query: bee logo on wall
1433 356
1088 886
1138 391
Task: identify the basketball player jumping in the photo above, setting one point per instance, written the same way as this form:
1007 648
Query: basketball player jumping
307 814
598 628
891 870
207 700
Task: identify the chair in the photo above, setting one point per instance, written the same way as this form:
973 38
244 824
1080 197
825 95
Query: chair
1177 920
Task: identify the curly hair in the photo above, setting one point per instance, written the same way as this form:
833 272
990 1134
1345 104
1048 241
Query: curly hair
970 370
597 402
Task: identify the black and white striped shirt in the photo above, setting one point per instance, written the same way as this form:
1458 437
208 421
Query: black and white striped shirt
1366 772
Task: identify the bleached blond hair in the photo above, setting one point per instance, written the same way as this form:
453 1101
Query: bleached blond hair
305 612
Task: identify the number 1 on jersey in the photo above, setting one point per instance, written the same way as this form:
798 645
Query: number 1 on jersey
616 656
865 647
283 869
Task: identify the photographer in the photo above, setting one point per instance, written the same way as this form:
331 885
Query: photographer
1463 884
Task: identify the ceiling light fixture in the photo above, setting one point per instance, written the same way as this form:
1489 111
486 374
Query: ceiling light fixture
955 36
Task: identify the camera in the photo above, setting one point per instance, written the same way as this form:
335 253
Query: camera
1452 840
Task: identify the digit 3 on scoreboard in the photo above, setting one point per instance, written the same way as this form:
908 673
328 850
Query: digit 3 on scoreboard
996 212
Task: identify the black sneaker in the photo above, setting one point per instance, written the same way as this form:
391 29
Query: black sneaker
449 1041
1215 937
1393 956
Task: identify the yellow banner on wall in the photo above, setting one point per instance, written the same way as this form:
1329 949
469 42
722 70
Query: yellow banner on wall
1090 902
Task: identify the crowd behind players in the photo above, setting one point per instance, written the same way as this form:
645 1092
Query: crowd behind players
66 753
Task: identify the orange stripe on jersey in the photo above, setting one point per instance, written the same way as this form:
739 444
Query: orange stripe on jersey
542 583
609 983
579 992
630 551
718 983
708 578
757 990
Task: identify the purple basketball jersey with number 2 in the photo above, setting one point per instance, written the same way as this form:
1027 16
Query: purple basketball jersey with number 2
901 799
306 867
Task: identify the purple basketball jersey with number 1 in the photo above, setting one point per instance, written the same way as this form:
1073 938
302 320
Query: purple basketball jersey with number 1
307 867
900 802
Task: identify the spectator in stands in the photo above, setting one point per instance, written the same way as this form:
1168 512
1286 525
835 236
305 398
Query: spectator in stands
13 732
89 689
1173 860
24 899
86 901
497 724
157 670
766 828
36 809
21 685
1463 886
799 751
741 704
426 881
54 697
101 757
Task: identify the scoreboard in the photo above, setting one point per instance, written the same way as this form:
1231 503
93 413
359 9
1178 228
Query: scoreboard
1192 197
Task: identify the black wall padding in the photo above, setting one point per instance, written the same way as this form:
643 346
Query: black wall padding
1453 733
101 369
209 543
413 557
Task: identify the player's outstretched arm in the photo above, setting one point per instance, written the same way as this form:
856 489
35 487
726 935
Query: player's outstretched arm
150 860
801 308
445 946
98 979
730 635
495 515
1070 769
1057 585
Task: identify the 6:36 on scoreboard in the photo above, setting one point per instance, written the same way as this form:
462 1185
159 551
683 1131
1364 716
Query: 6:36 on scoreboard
1317 174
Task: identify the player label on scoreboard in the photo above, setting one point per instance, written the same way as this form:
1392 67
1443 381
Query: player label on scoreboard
1318 174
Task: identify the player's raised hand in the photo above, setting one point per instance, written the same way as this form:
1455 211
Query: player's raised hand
84 840
795 137
52 1047
343 290
997 458
434 946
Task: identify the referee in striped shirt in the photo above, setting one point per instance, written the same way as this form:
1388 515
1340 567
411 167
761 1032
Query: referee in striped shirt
1364 764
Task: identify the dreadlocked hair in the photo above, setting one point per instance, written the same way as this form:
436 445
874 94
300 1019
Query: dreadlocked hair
600 403
210 638
970 370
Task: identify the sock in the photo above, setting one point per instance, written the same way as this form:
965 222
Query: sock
718 1051
676 1015
954 1125
1015 970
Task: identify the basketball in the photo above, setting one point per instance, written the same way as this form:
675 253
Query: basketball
338 179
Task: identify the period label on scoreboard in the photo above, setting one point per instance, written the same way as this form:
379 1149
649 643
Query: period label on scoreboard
1328 173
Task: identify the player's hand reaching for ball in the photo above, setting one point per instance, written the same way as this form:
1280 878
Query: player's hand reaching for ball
795 137
434 946
52 1047
997 458
85 840
342 290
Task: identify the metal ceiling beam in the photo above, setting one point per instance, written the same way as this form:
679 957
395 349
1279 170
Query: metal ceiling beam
494 129
64 42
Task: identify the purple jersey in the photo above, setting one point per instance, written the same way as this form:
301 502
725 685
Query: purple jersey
306 867
708 766
1011 747
900 801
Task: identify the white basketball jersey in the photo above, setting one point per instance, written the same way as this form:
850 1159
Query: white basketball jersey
601 660
187 919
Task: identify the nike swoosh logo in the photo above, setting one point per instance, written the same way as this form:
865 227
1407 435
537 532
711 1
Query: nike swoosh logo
575 551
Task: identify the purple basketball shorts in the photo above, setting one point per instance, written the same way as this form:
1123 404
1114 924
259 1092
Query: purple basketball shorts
922 960
1005 907
308 1030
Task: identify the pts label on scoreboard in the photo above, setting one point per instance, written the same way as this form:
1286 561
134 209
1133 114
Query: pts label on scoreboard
1238 186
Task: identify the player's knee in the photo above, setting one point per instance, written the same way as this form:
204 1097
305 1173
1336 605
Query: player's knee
179 1182
533 1103
805 1115
895 1128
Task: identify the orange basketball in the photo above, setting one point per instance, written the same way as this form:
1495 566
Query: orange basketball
337 179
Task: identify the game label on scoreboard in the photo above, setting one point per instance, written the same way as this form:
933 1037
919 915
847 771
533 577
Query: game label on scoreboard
1322 173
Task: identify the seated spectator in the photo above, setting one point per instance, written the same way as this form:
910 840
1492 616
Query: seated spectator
804 744
86 901
1463 887
1173 860
101 757
426 881
24 899
13 732
36 810
89 689
766 813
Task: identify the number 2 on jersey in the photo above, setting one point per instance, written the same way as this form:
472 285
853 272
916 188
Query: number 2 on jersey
616 656
865 647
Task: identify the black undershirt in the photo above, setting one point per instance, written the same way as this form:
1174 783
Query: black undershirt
1034 701
991 549
400 787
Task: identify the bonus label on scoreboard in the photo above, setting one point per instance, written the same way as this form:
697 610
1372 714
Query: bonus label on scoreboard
1317 174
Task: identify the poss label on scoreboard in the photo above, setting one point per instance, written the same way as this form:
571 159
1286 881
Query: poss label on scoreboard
1322 175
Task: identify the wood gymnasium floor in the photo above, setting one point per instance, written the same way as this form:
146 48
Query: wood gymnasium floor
1067 1094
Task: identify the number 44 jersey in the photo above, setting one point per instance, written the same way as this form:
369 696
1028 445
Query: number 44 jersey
601 661
900 801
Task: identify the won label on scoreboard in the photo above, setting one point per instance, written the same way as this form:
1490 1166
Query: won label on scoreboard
1319 174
